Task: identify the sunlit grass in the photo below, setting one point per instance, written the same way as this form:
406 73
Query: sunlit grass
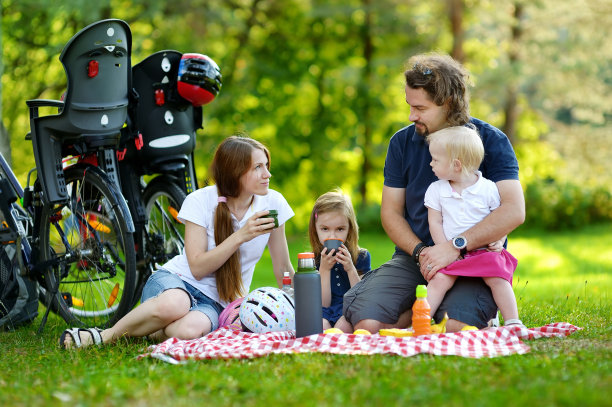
555 264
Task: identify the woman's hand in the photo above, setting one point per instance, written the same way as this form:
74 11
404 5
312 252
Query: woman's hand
255 226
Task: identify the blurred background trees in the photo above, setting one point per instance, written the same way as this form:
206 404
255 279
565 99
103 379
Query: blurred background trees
320 82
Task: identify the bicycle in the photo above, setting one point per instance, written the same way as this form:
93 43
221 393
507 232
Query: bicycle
158 144
73 227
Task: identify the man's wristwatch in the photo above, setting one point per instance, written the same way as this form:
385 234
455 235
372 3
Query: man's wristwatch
460 243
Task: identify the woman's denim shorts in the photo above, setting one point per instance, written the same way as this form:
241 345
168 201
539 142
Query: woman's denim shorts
162 280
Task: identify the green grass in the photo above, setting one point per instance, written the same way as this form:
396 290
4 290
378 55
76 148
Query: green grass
562 276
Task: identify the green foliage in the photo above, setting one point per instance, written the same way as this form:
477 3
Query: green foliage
552 204
368 218
320 82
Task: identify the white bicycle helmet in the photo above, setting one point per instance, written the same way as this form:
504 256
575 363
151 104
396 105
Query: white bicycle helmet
267 309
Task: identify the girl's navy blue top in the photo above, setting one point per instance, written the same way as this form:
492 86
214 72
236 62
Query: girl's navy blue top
340 284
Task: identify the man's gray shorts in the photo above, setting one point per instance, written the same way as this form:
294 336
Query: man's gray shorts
385 293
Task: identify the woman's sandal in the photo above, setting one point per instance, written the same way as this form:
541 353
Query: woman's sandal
76 338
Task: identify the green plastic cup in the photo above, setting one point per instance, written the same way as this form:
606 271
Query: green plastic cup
274 215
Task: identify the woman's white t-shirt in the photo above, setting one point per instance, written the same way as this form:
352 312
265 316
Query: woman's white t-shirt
199 207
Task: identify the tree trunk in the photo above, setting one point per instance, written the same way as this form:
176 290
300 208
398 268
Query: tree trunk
456 21
511 106
368 51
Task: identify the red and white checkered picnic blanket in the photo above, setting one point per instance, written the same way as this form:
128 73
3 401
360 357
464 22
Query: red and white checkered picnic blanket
227 344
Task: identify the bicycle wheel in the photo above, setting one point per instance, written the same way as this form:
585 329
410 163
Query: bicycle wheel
86 246
164 233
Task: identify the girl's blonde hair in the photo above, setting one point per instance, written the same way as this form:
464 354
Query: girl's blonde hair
461 143
232 160
334 201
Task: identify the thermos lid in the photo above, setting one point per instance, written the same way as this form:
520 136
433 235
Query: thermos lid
305 255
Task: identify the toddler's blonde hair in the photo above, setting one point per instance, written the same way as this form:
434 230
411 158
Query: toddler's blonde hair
461 143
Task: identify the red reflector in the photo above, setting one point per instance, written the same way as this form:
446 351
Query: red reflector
121 154
159 97
92 68
138 142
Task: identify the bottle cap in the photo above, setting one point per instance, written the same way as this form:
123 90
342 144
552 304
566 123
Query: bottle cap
421 291
305 255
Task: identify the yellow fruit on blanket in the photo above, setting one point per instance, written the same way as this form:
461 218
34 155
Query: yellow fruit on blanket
333 331
395 332
362 332
469 328
440 327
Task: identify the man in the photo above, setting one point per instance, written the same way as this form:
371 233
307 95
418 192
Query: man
436 91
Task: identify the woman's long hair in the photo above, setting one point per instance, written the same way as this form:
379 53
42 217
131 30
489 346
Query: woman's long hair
232 160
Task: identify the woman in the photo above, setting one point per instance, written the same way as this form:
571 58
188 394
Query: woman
225 236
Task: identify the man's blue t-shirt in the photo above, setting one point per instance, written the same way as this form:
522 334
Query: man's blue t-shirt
407 166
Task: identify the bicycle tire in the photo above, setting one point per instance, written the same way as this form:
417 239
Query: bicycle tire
164 233
87 245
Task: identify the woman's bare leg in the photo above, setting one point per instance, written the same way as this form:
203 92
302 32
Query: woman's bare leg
191 326
147 318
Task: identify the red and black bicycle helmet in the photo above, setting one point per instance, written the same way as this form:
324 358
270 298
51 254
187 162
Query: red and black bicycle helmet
199 79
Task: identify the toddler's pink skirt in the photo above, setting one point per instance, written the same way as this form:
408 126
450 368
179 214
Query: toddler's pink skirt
481 263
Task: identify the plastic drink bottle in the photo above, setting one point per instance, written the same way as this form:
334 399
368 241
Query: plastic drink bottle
307 290
287 289
421 318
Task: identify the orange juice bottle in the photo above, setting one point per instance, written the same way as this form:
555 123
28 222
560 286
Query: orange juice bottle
421 319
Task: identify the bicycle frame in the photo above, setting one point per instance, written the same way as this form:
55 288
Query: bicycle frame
26 219
14 220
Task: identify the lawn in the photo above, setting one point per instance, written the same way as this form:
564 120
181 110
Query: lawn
562 276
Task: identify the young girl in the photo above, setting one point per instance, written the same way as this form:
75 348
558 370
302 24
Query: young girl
333 218
457 201
225 236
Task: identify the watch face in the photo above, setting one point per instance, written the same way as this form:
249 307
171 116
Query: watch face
459 242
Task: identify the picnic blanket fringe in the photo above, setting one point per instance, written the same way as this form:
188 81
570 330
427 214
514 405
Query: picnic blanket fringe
225 343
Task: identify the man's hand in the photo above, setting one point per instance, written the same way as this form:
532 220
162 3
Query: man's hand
434 258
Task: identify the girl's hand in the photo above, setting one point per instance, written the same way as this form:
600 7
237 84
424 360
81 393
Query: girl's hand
256 226
497 246
327 260
343 256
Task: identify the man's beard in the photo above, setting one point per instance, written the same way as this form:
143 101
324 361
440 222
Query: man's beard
423 132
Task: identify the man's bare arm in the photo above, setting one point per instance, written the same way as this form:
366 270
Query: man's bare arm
393 221
503 220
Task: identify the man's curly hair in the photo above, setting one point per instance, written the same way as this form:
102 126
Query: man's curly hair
445 80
